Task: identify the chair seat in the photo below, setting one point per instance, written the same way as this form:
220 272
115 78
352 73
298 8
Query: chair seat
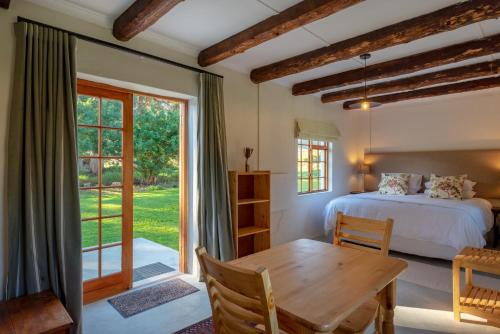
360 319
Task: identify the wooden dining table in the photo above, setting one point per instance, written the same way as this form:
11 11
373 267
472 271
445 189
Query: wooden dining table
317 285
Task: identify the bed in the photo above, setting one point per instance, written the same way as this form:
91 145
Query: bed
423 226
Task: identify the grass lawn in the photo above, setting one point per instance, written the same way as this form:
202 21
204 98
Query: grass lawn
156 216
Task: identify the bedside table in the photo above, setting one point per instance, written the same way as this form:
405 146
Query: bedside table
495 202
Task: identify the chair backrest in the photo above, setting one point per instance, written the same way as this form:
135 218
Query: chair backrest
364 234
241 299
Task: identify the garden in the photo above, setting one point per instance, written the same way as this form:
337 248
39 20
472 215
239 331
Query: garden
156 149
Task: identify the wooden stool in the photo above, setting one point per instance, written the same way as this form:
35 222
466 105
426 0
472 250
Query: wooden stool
475 300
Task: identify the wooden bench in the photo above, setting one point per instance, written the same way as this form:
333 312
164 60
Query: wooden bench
34 314
475 300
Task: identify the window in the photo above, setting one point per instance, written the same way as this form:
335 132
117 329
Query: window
312 166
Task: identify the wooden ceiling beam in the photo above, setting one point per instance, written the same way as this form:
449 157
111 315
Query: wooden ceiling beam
5 4
139 16
461 87
447 55
425 80
445 19
294 17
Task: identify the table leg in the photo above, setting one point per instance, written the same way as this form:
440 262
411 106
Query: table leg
496 233
387 305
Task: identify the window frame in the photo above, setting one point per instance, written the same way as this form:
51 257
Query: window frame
310 148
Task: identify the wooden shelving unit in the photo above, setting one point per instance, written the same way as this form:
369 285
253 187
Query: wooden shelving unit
251 211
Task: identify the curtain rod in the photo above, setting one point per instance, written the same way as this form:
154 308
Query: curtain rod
119 47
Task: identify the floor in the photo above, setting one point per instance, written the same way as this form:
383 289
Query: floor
145 252
424 306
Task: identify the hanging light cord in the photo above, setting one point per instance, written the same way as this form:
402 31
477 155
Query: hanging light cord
364 74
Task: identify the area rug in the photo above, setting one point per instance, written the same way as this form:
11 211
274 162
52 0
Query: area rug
145 299
151 270
203 327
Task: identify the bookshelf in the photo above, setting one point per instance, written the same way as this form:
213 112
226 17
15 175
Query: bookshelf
251 210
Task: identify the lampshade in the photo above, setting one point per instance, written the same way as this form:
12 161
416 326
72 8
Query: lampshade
364 104
363 169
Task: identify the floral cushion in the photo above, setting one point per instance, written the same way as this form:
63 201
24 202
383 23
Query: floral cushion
448 187
394 184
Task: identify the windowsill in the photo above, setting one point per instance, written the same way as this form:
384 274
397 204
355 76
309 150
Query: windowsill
314 193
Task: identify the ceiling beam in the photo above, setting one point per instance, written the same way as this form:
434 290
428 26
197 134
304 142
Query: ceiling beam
5 4
391 68
140 16
461 87
446 19
425 80
294 17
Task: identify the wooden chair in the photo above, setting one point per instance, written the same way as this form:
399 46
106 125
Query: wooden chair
241 300
366 235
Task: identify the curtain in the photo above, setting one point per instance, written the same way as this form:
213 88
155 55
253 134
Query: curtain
43 209
214 210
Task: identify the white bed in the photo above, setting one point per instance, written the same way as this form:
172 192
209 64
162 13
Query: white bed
423 226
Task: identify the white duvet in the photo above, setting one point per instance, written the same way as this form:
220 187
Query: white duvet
444 222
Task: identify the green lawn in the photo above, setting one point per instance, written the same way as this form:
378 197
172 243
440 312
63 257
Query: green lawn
156 216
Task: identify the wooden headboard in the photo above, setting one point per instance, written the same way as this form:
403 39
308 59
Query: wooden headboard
482 166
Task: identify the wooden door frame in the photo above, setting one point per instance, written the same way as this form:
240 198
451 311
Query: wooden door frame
183 179
101 287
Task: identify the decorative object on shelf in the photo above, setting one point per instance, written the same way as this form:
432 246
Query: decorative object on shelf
365 103
248 153
250 194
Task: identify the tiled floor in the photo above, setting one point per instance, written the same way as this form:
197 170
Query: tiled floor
423 295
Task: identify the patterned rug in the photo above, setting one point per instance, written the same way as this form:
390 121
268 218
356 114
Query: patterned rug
203 327
151 270
144 299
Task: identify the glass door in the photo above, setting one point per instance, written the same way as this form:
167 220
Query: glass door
105 149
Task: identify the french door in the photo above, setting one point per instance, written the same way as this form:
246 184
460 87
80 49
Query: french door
105 149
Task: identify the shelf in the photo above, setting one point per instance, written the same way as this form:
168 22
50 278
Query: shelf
250 230
252 201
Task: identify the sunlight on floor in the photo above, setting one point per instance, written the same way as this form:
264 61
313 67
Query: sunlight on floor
439 321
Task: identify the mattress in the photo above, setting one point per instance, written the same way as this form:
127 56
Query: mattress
422 225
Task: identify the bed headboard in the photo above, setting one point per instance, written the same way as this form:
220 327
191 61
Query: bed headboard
482 166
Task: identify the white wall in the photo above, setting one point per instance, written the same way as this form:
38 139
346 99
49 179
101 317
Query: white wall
272 107
461 121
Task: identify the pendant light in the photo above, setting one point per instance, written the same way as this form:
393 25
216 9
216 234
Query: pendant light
365 103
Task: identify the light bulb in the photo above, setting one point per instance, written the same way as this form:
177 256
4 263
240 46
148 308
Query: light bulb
365 105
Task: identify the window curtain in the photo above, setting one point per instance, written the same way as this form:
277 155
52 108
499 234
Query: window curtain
214 211
43 208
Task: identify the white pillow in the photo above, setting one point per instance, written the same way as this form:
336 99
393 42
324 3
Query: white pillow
468 185
415 182
467 194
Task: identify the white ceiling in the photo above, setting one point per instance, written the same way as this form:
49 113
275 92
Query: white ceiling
196 24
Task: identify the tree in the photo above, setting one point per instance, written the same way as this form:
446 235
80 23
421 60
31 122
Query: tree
156 137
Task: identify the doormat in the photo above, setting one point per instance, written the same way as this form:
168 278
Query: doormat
145 299
203 327
151 270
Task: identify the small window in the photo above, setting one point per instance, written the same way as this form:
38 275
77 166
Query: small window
312 166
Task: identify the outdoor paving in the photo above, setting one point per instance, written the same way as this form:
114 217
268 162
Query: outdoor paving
145 252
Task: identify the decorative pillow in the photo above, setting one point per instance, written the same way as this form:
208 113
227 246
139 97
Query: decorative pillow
394 184
415 182
447 187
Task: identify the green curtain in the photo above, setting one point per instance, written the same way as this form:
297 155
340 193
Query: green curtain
43 209
214 210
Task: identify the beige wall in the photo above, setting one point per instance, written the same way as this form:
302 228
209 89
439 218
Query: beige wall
257 119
